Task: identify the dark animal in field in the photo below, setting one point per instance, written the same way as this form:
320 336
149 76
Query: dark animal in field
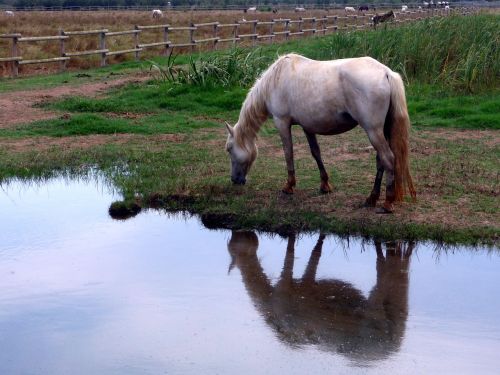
383 18
330 313
275 10
363 8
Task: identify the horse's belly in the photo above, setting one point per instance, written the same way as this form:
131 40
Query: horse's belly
334 124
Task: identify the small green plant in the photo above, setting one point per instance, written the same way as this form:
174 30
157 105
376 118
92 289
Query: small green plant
236 67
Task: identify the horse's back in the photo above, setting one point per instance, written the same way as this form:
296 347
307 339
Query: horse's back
328 97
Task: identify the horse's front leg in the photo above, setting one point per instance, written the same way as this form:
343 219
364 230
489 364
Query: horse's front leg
325 186
285 130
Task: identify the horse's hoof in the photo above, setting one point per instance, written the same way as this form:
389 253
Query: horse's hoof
387 208
325 188
382 210
369 203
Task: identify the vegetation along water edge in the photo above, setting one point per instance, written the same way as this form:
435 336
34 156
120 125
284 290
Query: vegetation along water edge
160 141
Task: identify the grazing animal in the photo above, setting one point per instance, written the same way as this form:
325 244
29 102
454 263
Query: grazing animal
275 10
383 18
252 9
157 13
299 9
404 8
327 98
350 10
363 8
446 7
9 13
426 4
328 312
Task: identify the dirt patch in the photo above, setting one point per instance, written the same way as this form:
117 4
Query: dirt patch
490 137
20 106
41 144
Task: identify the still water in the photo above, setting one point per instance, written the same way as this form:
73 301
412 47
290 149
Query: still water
82 293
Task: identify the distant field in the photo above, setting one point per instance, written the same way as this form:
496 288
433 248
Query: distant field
37 23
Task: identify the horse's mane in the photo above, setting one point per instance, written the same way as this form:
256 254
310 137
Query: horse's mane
254 110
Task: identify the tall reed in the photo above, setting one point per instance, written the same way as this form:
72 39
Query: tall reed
455 52
460 52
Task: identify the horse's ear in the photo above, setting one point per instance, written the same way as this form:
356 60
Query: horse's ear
230 130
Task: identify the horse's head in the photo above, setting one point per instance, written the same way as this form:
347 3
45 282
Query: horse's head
242 156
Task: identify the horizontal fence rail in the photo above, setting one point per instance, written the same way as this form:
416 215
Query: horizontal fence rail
230 7
252 31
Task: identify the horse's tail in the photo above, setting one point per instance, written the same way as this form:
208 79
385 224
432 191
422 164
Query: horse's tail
398 127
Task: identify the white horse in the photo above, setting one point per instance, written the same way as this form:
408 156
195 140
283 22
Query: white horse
9 13
157 13
300 9
252 9
404 8
350 10
328 97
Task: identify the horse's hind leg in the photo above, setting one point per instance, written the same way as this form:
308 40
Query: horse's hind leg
386 156
325 186
371 201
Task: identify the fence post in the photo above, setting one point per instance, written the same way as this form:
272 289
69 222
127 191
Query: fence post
102 46
62 63
236 33
313 26
300 26
165 39
287 28
191 37
136 41
15 63
215 26
271 32
254 31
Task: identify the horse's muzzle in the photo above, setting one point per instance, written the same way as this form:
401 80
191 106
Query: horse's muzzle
239 181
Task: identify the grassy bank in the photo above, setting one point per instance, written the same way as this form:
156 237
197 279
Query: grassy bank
161 144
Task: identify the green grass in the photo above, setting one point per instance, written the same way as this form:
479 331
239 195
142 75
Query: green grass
431 106
164 107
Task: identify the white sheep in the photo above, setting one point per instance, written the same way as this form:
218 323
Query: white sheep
350 10
157 13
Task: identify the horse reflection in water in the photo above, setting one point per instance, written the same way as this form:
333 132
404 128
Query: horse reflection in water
329 313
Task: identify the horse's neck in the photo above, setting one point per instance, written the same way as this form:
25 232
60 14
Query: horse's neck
252 116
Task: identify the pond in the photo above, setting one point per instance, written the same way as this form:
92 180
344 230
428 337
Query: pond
82 293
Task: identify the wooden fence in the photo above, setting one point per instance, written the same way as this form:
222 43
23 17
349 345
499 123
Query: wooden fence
259 31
